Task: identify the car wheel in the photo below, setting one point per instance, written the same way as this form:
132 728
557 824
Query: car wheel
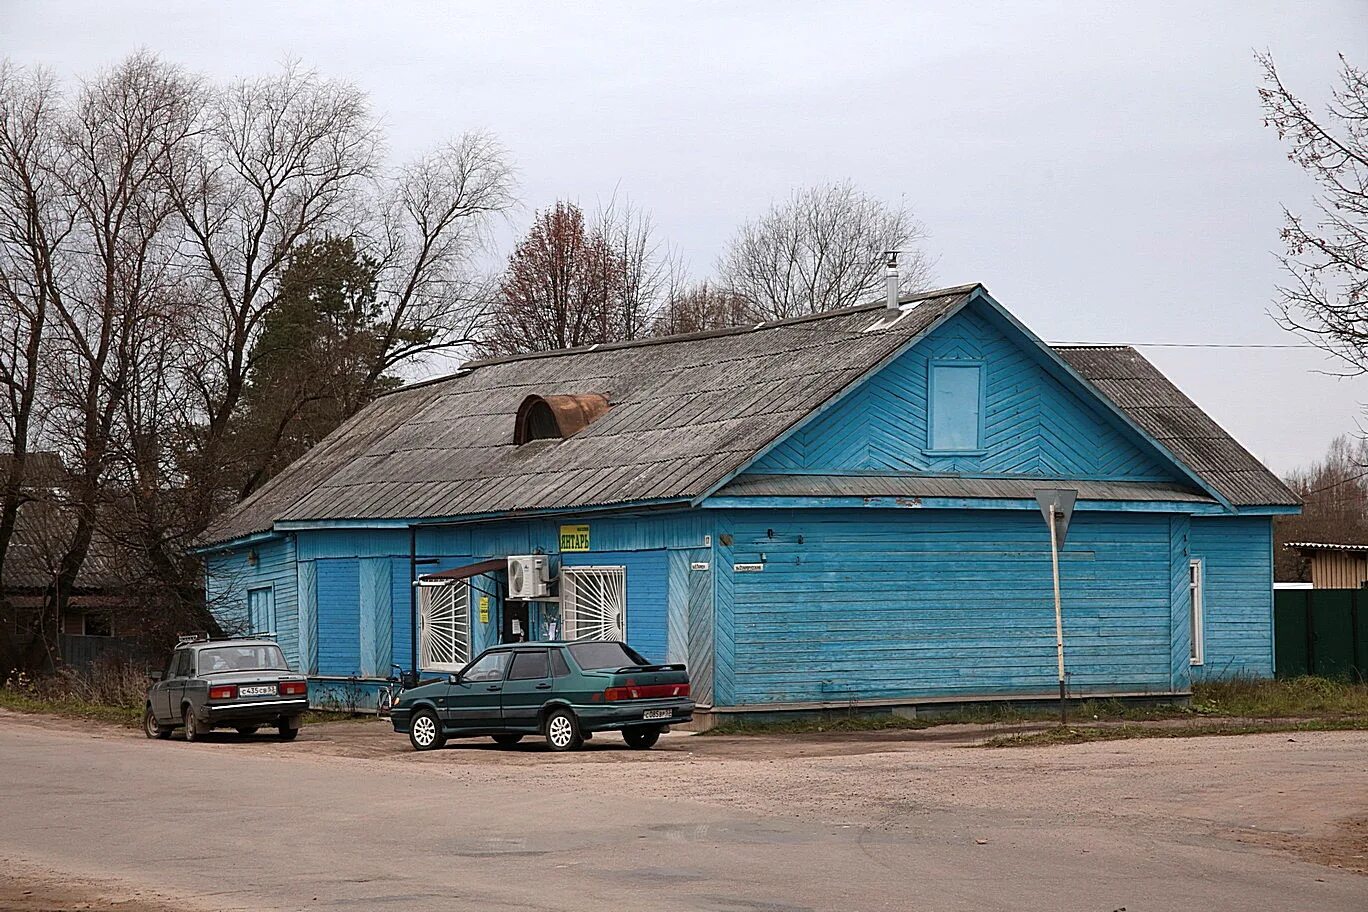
193 730
642 737
152 728
507 740
562 731
425 731
246 730
286 732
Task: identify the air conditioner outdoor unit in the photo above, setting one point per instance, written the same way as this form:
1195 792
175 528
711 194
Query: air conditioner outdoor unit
528 577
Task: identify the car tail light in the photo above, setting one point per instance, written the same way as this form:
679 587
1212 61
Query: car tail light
293 688
223 692
646 692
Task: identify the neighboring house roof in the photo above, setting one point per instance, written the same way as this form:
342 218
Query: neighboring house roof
686 413
1134 385
1324 546
42 469
42 530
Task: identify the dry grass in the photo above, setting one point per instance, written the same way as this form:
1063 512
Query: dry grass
107 692
1082 735
1236 700
1294 698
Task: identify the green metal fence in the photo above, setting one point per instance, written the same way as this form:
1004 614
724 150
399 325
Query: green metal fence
1321 632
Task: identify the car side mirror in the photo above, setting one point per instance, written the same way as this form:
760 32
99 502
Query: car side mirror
454 678
155 675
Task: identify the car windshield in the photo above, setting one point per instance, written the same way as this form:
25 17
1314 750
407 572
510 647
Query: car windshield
223 659
594 656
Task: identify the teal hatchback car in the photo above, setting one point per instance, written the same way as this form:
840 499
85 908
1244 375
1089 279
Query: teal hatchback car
562 691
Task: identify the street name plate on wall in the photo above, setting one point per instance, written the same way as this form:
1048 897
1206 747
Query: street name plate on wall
574 538
699 565
748 568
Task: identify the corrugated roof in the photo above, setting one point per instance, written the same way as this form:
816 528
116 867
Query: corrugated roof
42 532
906 484
685 412
1324 546
1133 384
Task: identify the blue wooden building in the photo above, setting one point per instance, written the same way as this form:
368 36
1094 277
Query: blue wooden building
828 510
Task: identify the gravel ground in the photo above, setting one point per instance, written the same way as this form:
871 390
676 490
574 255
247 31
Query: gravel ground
1305 793
1296 796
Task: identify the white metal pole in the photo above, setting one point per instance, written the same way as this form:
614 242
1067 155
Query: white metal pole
1059 617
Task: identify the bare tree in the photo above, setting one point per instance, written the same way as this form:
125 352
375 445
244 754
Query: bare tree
642 269
1326 256
573 282
1334 491
821 250
699 306
110 296
35 218
145 225
557 289
277 160
435 218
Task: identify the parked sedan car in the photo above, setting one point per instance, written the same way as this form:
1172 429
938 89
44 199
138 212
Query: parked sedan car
242 684
562 691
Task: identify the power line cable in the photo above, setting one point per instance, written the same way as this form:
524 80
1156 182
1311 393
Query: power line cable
1336 484
1191 344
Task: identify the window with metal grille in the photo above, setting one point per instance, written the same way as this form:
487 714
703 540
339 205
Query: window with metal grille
444 625
594 603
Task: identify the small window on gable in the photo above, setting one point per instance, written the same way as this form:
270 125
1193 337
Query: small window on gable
956 404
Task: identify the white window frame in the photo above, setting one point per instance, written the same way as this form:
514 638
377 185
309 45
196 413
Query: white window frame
1196 606
599 587
445 646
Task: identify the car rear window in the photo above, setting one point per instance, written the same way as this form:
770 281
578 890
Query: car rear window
223 659
594 656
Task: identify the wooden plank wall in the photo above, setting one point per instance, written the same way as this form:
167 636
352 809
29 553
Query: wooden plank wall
339 616
872 604
1033 425
1237 602
1338 570
1180 609
230 574
376 622
701 625
307 576
725 610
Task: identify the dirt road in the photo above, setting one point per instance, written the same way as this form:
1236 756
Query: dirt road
347 818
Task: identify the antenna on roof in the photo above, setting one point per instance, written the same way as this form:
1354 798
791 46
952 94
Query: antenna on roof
891 278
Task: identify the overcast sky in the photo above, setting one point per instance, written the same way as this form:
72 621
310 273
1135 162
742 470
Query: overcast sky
1101 168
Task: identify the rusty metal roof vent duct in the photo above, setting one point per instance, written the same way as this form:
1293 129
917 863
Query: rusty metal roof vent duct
556 417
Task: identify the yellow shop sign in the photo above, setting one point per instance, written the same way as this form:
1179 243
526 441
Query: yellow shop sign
574 538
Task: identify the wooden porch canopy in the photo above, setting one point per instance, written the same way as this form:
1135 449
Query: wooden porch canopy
465 572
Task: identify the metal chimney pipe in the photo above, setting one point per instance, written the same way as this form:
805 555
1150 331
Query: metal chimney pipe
891 280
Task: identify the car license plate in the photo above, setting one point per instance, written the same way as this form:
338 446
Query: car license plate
265 690
656 714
